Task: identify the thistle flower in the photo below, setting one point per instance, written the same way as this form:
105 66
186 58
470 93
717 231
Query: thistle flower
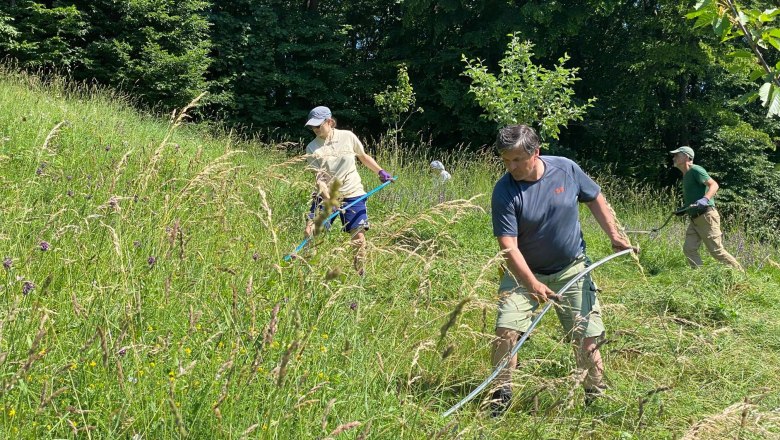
70 193
122 351
45 246
27 287
255 256
113 203
108 147
39 171
7 263
151 261
354 305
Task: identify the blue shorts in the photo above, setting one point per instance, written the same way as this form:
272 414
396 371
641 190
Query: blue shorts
356 217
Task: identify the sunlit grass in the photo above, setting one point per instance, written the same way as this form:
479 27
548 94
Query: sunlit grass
161 306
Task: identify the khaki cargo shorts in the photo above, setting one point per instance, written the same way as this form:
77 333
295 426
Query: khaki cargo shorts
579 312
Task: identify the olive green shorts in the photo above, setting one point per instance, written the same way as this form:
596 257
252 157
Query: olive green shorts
579 311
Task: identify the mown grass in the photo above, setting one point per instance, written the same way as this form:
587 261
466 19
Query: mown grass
162 308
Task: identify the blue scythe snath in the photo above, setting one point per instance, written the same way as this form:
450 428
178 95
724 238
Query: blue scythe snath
536 320
330 218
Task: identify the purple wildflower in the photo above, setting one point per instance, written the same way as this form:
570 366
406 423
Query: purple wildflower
7 263
151 261
353 306
108 147
255 256
113 203
70 193
122 351
45 246
27 287
39 171
136 244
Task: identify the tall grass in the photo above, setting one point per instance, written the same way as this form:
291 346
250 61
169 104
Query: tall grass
161 308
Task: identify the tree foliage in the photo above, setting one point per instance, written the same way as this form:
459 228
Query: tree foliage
156 50
757 27
524 92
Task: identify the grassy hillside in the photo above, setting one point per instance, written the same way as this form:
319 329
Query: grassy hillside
144 296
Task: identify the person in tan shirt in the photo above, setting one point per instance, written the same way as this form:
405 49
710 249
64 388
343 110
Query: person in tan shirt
331 155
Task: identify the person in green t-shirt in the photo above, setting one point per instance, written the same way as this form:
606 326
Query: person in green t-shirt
698 193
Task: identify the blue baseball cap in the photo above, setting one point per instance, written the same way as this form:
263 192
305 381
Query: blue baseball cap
318 115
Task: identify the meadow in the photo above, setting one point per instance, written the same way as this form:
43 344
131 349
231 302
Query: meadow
144 295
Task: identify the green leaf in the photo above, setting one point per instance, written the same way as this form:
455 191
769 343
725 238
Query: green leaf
748 97
722 27
774 42
741 53
702 4
763 93
756 74
773 107
769 15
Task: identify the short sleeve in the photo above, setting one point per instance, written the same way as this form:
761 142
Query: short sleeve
701 175
503 213
589 189
311 159
357 146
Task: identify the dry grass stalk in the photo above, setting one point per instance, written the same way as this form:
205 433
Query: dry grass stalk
285 361
118 170
270 331
50 137
249 430
222 396
622 232
643 401
364 432
328 409
176 120
342 428
32 354
176 413
103 345
46 401
309 393
416 358
736 421
10 315
268 222
453 318
446 431
194 317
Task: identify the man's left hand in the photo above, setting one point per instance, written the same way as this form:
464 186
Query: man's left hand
623 244
702 202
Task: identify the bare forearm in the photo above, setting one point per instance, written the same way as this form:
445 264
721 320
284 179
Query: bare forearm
606 220
370 163
712 188
515 261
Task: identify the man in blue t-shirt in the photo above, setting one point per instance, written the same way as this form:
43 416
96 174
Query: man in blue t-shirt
535 211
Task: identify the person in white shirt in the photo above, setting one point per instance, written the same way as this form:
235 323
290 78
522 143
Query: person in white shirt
331 155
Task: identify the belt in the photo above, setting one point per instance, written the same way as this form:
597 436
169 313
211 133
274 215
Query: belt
703 211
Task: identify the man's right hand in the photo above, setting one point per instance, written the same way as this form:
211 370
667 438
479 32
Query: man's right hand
542 293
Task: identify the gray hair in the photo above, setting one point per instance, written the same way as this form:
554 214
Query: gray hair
517 136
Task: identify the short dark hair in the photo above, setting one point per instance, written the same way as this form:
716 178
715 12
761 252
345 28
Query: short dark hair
517 136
